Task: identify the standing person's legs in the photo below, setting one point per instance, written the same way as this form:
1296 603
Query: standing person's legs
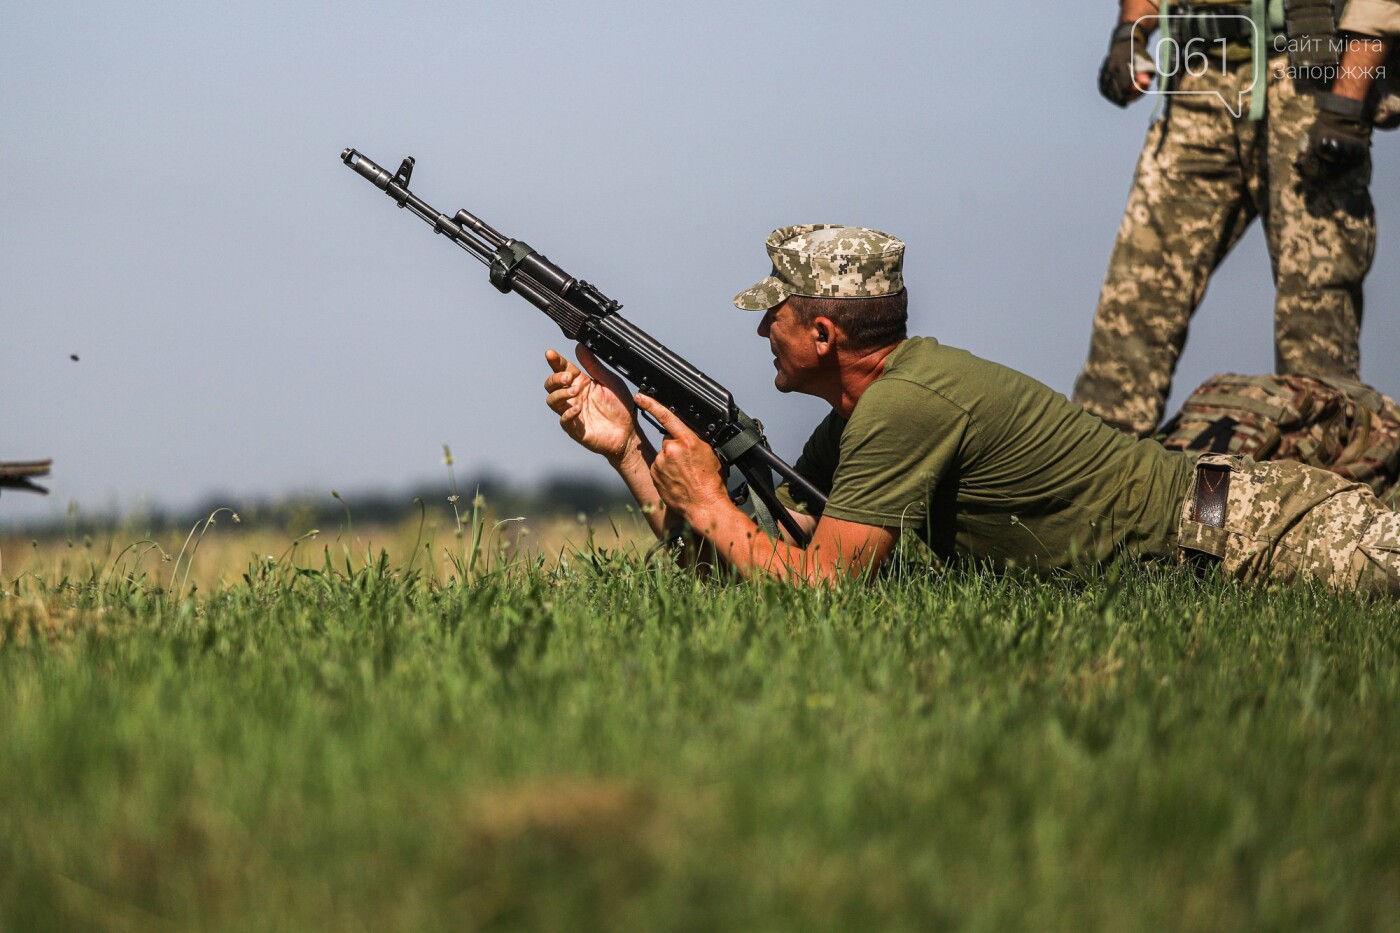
1186 210
1321 237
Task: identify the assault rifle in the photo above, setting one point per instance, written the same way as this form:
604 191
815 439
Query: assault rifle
589 317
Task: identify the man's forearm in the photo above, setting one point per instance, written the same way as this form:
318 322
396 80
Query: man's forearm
740 544
634 466
1131 11
1362 58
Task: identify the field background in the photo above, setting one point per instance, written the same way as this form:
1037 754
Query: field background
438 725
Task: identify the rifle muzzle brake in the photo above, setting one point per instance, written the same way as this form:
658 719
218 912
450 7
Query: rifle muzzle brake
367 168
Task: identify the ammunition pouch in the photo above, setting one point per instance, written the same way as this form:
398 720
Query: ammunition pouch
1309 25
1230 23
1313 40
1213 23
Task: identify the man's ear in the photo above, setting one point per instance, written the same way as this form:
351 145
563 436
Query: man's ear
824 332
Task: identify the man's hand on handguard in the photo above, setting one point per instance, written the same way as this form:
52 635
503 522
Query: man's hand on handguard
686 471
594 407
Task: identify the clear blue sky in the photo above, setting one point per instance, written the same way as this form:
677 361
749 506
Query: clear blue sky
252 319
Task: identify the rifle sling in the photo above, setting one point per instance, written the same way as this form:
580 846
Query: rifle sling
749 436
730 451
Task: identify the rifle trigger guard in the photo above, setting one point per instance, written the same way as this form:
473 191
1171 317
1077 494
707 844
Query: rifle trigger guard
508 257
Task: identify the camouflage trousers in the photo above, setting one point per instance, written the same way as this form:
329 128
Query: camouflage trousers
1202 178
1286 522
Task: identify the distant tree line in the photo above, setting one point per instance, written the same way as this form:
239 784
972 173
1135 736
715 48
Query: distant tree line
554 497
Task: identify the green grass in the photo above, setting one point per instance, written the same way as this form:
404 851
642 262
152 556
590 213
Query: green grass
612 745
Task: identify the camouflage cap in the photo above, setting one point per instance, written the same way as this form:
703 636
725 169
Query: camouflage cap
827 261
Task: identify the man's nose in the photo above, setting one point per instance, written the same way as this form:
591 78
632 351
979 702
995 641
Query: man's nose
765 324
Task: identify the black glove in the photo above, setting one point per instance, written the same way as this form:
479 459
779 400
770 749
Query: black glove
1118 75
1338 140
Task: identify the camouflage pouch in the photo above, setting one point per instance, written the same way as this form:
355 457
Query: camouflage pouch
1346 427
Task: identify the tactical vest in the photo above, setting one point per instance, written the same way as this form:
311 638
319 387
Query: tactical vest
1336 424
1308 28
1248 28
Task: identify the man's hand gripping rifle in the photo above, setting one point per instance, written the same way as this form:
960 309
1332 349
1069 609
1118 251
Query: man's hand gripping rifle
588 316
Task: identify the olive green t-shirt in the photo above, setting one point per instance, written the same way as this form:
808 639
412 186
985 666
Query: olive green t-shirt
986 463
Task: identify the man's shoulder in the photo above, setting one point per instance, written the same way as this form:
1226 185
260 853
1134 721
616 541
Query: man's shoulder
962 377
915 353
920 360
920 383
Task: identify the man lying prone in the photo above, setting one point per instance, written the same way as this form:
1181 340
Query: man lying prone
984 463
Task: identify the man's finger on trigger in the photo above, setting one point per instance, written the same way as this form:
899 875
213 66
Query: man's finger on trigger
664 416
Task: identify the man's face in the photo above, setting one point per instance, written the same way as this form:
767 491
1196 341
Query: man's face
792 343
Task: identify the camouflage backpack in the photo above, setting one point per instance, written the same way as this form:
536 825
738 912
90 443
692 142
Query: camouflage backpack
1343 426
